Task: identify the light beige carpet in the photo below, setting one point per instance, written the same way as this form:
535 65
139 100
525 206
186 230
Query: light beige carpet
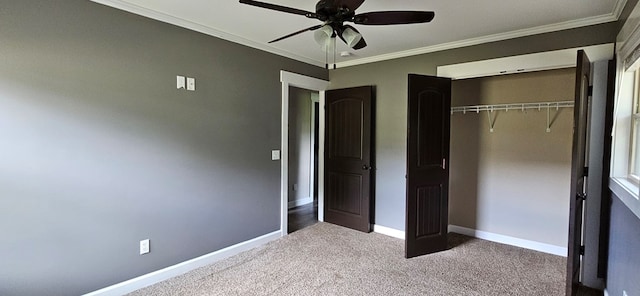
325 259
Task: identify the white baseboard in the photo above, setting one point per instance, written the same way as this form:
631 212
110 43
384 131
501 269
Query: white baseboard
508 240
300 202
498 238
388 231
181 268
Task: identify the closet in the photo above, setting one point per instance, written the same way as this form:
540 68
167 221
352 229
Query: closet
511 139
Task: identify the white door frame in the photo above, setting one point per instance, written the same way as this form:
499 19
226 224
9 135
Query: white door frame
314 84
312 159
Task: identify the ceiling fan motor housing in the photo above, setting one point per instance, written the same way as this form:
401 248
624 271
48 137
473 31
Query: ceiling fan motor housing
333 11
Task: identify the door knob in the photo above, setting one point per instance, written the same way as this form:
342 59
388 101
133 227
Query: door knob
366 167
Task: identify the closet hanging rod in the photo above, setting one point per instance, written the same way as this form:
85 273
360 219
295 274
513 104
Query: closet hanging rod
513 106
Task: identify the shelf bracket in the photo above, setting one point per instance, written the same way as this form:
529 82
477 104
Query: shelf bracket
492 120
549 116
548 119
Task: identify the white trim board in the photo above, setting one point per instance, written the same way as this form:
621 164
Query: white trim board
389 231
300 202
498 238
181 268
557 59
292 79
624 190
508 240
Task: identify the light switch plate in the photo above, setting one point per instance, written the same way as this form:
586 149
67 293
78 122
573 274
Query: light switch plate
191 83
180 82
144 246
275 154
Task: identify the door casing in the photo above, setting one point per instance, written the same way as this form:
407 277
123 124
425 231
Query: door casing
314 84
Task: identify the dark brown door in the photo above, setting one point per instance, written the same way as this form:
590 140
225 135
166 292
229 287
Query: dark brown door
578 171
348 154
427 165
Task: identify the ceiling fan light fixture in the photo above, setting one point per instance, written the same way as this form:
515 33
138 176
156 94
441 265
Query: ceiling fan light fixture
324 37
334 13
351 37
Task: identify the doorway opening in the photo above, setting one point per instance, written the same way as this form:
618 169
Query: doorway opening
303 158
312 85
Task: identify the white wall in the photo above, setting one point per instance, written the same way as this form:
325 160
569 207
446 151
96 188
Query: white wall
300 147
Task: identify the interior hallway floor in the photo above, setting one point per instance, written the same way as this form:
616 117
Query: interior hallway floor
302 216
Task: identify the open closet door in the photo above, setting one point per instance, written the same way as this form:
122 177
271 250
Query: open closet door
578 172
427 165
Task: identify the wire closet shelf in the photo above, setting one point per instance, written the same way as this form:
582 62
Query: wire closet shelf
513 106
547 106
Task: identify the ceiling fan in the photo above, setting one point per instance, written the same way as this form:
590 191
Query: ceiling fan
334 13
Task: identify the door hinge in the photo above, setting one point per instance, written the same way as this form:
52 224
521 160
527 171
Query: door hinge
590 90
581 250
581 196
585 172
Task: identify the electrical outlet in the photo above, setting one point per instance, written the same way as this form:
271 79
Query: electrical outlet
145 246
191 84
624 293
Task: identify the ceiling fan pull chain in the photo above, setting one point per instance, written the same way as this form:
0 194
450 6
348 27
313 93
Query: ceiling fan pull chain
326 59
335 48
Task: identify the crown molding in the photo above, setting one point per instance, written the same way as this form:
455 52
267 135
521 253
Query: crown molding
156 15
493 38
126 6
618 8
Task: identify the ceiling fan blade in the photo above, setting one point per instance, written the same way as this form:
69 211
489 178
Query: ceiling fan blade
352 4
361 43
279 8
297 32
393 17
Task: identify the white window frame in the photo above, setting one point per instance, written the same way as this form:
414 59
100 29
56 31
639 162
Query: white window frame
634 177
621 182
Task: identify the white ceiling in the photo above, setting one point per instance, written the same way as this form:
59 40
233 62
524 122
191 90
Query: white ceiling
457 23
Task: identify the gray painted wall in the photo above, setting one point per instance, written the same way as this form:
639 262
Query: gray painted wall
390 79
624 245
99 150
